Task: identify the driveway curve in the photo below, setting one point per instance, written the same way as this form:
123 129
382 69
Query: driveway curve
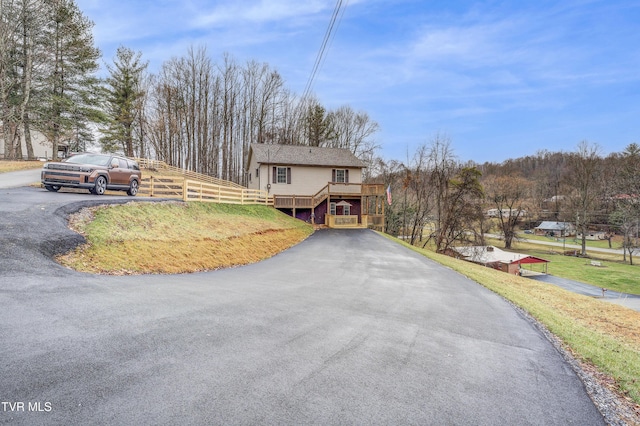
344 328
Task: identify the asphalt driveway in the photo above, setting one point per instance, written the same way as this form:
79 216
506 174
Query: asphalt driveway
345 328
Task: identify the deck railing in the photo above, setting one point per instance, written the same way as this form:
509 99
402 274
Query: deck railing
332 188
342 221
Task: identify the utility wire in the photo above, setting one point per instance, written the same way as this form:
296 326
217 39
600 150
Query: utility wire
336 17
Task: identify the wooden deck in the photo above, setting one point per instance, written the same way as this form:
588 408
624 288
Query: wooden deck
372 198
330 190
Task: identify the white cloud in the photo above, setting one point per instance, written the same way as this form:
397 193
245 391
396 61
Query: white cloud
460 44
263 11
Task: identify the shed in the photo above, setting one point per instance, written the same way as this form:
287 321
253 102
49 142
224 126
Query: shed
493 257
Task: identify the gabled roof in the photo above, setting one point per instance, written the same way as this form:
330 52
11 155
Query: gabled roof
490 254
298 155
555 226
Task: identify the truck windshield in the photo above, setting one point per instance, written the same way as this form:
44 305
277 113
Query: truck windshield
93 159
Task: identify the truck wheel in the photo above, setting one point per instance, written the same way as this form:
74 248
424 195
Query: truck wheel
133 188
101 185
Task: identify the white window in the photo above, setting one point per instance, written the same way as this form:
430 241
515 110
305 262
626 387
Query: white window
346 210
281 176
340 175
332 209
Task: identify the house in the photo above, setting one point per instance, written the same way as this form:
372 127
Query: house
493 257
506 213
555 229
41 147
318 185
593 235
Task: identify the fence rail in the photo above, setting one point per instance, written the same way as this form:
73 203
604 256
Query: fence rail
192 190
161 166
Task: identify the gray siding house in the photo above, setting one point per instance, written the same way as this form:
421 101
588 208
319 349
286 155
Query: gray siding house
555 229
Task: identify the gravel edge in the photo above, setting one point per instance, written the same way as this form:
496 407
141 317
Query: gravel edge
616 409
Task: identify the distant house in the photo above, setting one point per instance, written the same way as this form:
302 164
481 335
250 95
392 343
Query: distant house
506 212
593 235
319 185
493 257
41 147
555 229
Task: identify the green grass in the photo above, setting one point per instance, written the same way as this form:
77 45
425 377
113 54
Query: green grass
612 275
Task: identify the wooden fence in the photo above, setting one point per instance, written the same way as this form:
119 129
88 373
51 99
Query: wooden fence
161 166
192 190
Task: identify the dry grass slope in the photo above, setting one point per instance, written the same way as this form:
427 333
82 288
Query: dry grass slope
14 166
174 237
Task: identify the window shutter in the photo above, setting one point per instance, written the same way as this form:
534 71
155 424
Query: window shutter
275 174
289 175
333 175
346 176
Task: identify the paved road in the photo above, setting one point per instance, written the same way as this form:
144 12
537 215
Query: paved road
345 328
631 301
18 179
567 246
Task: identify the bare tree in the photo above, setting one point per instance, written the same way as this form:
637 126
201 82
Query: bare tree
627 210
204 116
584 177
354 131
444 166
461 212
508 195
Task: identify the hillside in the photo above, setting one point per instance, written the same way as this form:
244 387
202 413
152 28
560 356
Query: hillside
174 237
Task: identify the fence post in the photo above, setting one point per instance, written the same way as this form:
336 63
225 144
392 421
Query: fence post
151 187
185 195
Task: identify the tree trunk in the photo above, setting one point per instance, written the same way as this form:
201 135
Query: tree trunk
27 138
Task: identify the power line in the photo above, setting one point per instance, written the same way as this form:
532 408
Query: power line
336 17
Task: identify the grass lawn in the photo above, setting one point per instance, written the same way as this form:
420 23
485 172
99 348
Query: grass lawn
612 275
616 276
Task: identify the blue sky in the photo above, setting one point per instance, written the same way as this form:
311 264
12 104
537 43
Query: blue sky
501 79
